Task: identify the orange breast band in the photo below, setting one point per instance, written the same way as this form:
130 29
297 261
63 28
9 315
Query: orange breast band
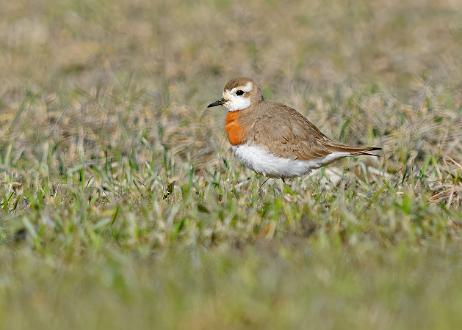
232 128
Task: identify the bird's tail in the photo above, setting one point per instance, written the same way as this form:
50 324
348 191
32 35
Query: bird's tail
354 151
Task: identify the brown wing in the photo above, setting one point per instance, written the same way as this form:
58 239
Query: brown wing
290 135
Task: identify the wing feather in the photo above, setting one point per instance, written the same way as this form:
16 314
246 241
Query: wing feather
288 134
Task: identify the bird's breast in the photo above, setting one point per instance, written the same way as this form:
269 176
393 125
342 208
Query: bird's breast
234 131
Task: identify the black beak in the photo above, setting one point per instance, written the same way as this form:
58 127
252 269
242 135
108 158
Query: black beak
216 103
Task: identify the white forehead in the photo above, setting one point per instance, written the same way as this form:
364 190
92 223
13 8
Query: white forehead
246 88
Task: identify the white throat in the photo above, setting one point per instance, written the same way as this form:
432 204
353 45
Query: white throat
237 103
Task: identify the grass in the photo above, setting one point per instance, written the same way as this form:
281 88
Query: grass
121 205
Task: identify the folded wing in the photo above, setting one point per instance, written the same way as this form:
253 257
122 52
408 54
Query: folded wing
289 134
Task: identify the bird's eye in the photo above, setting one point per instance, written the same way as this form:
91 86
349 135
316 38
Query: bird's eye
239 92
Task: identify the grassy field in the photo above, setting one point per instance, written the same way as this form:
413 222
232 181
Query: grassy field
122 206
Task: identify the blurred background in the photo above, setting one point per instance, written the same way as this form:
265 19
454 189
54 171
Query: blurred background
73 67
401 44
122 207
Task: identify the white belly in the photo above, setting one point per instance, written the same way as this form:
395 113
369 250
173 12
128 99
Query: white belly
261 161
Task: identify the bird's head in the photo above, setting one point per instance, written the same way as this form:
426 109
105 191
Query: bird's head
239 94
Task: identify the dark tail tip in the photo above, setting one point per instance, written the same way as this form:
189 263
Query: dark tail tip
366 151
372 149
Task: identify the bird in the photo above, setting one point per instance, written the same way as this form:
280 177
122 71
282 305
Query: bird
274 139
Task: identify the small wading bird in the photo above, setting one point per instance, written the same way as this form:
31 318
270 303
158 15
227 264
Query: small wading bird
273 139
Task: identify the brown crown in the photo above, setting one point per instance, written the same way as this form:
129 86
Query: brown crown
241 81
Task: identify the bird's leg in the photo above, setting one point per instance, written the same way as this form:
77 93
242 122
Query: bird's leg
261 186
243 182
280 187
285 185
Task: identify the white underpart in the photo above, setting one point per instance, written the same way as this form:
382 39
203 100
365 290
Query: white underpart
262 161
237 102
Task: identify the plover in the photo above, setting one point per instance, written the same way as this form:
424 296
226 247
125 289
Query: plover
273 139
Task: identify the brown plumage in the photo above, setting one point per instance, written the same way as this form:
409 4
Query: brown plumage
274 139
288 134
